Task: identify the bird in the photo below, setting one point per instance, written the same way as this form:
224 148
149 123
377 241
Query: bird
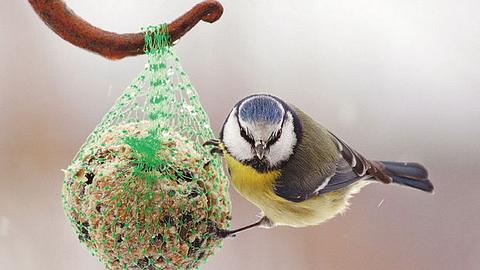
293 169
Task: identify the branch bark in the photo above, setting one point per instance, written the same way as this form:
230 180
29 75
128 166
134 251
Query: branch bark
65 23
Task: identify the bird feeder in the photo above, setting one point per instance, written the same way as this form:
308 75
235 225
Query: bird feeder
142 192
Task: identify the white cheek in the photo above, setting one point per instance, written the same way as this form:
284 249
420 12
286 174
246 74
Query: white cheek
235 143
282 149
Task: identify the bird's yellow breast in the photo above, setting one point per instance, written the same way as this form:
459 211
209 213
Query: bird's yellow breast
257 187
251 184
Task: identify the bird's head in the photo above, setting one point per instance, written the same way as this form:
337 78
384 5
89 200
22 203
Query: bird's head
261 131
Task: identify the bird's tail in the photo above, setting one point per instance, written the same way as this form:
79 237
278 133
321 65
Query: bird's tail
408 174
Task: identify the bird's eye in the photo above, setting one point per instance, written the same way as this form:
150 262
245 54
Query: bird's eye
243 131
274 137
276 134
246 135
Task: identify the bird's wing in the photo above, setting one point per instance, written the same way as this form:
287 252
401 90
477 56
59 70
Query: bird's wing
357 162
301 182
344 176
351 168
322 163
360 165
297 186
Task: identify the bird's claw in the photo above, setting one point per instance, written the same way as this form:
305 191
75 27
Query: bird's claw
220 233
214 142
216 146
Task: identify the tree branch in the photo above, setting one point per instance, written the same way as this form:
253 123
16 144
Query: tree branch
63 21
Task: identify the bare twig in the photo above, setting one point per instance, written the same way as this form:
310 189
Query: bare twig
63 21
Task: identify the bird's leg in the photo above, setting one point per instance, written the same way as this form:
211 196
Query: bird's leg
217 146
264 222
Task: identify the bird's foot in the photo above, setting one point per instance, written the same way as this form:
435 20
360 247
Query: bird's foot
220 233
217 146
264 222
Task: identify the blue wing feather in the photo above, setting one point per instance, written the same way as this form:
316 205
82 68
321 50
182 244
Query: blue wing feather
344 176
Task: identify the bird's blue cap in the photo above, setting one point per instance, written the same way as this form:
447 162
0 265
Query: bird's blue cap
261 108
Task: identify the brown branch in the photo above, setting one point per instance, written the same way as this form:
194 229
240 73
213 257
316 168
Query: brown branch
63 21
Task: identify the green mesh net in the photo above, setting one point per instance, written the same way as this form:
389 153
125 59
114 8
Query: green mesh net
142 192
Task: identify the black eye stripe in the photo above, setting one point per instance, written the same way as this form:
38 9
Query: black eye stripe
278 133
273 135
275 138
244 134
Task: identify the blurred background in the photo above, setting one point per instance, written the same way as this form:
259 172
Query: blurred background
397 80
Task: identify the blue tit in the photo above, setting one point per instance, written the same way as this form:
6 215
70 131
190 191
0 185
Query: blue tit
293 169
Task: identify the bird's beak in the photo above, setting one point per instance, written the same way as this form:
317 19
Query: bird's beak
260 149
